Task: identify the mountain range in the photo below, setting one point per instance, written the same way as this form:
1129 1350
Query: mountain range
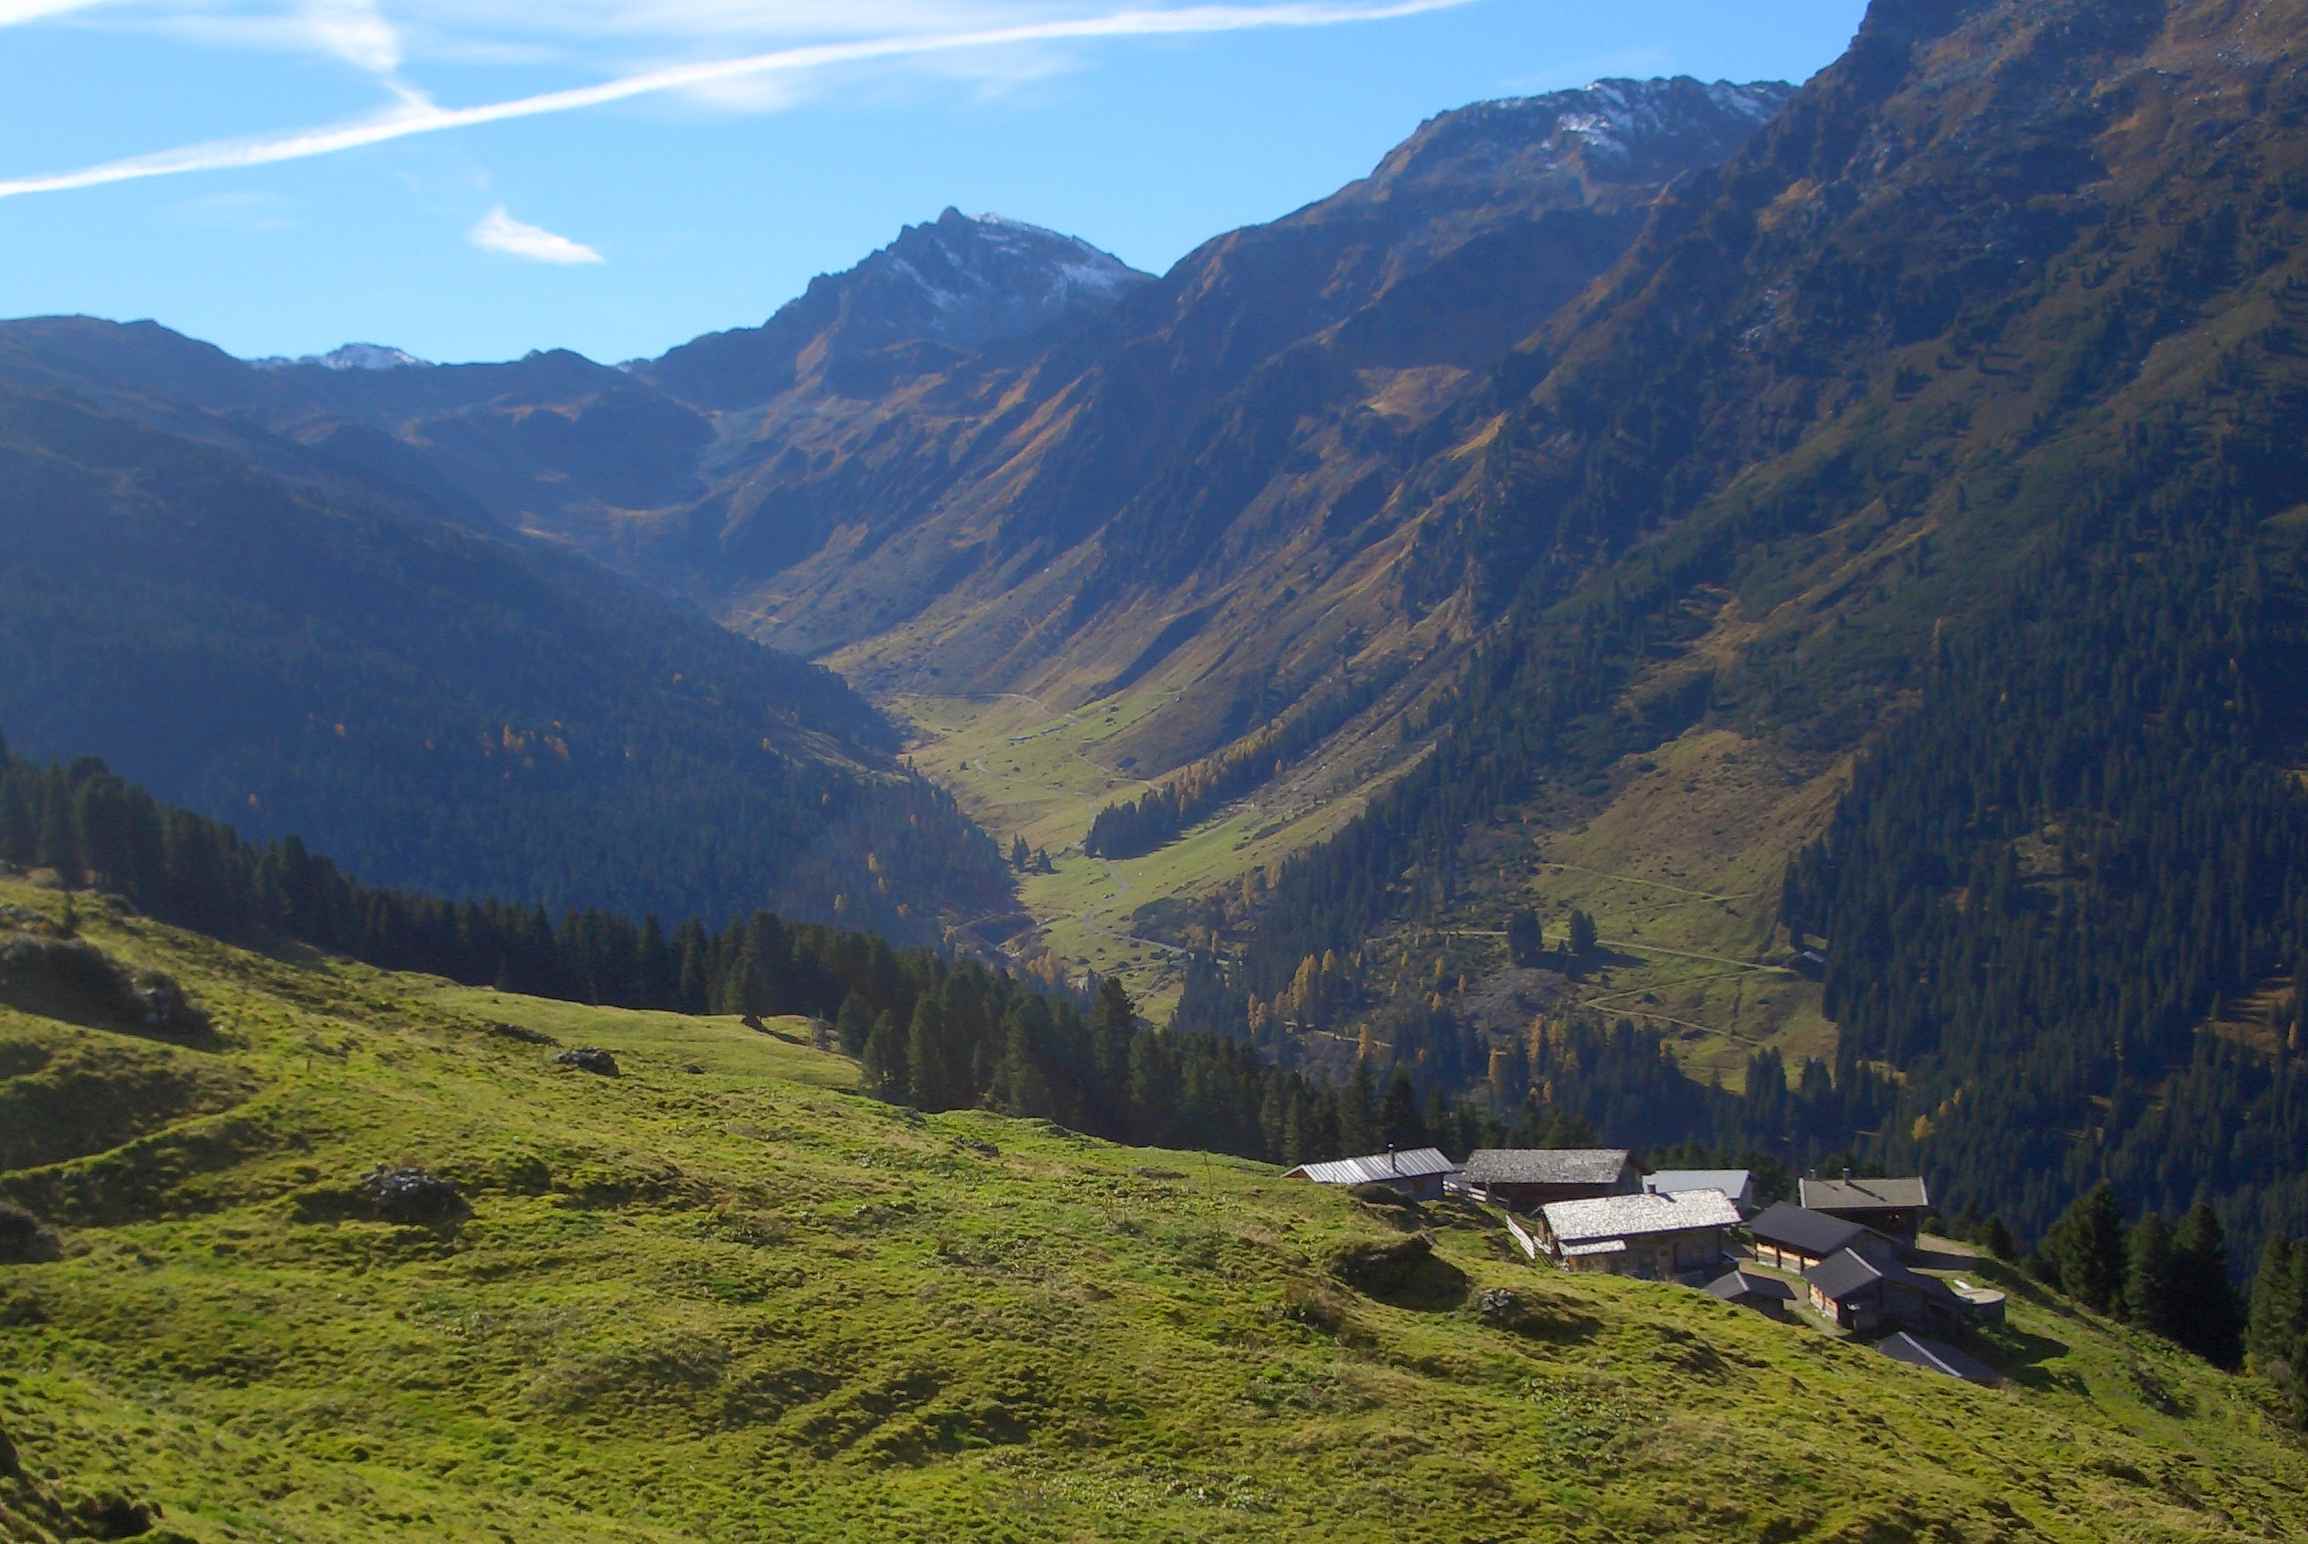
1615 504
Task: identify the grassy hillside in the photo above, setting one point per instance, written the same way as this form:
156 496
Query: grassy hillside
1020 769
724 1296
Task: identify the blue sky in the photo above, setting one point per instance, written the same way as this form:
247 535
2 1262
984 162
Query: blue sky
472 179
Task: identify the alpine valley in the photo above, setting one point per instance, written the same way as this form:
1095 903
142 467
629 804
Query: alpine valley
1760 624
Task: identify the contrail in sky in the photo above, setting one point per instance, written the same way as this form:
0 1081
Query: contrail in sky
418 117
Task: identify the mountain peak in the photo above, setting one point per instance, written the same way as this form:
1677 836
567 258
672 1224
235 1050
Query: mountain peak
352 356
961 281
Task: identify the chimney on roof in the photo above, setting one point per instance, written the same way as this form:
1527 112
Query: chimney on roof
1847 1176
1392 1162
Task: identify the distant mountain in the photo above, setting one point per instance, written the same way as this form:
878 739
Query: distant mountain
959 282
994 458
353 356
1142 498
277 637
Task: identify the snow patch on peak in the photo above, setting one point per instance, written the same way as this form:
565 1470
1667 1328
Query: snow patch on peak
353 356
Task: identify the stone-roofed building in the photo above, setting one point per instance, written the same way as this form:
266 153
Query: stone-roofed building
1793 1239
1892 1207
1417 1173
1937 1356
1767 1295
1866 1295
1655 1237
1527 1178
1738 1184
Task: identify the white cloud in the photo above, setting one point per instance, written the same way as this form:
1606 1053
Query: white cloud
500 232
414 114
16 12
356 32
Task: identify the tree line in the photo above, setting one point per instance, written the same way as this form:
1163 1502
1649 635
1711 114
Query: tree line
930 1030
1133 828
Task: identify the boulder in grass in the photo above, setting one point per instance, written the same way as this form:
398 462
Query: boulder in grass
589 1058
412 1195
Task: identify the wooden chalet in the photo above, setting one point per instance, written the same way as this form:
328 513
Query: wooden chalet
1657 1238
1892 1207
1869 1295
1793 1239
1524 1179
1417 1173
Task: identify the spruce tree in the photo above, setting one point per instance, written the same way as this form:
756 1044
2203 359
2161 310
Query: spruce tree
2152 1294
2210 1321
926 1054
2269 1335
1019 1086
1525 942
1584 937
59 849
2089 1249
1399 1124
1358 1131
884 1061
853 1025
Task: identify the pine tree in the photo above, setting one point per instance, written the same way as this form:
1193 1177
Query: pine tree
1525 941
1358 1129
2210 1323
2152 1293
2269 1334
2088 1244
853 1025
1584 937
1399 1123
1019 856
17 833
59 849
926 1056
1999 1240
884 1061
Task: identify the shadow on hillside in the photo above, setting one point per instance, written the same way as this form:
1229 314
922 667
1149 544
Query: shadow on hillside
2020 1357
1408 1274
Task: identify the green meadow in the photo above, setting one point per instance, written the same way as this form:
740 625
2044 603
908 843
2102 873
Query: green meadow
724 1296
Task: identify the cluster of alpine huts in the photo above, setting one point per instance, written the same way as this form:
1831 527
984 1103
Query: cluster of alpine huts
1845 1251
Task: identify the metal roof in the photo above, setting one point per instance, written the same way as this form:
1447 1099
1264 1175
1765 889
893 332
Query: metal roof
1732 1182
1737 1284
1934 1356
1546 1165
1864 1195
1578 1222
1377 1169
1813 1233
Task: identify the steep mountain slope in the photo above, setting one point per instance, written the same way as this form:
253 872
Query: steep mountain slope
261 633
1965 399
1223 436
959 283
724 1296
991 459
